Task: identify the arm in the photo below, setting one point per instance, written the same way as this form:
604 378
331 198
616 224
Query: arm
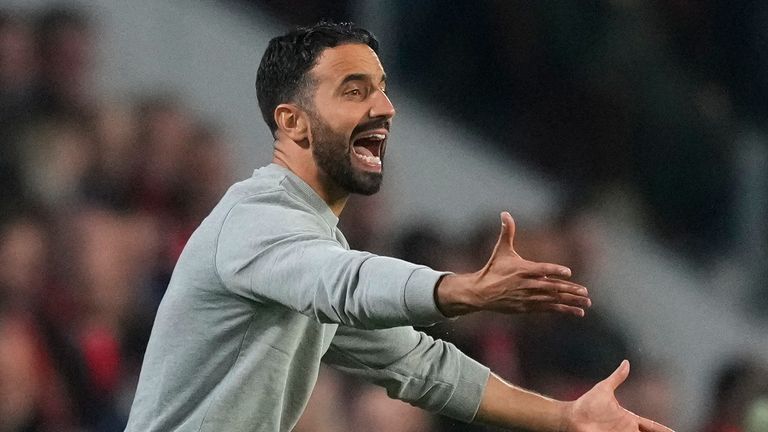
413 367
272 249
505 405
436 376
597 410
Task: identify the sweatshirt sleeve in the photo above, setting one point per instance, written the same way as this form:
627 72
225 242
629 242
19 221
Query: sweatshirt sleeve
413 367
273 250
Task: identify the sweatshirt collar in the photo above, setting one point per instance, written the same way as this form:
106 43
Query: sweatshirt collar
299 187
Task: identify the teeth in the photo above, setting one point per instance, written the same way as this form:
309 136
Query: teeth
371 160
376 136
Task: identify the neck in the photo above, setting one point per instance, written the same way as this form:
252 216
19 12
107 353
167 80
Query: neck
306 169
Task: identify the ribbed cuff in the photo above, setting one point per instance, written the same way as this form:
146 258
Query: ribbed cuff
419 297
465 400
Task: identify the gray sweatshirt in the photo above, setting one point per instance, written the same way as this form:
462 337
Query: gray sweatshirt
265 288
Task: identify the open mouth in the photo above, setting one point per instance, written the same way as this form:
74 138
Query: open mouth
368 148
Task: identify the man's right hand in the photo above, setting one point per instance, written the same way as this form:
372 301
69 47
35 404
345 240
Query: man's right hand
510 284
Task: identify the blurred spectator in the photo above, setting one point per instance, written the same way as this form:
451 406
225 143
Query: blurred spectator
115 255
24 255
17 79
32 389
17 66
20 384
165 128
58 152
65 43
205 171
117 157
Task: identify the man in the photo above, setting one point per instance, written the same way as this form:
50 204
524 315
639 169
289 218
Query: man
267 286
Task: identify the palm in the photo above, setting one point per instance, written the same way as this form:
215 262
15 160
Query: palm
598 410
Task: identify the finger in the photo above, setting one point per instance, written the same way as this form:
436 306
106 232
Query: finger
555 285
618 376
548 296
507 231
574 300
547 269
502 244
651 426
571 287
565 309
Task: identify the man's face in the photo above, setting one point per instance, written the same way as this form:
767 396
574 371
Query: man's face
350 117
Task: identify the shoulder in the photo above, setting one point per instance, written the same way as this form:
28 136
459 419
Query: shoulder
268 207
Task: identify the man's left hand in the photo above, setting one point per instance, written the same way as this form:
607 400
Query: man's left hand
598 410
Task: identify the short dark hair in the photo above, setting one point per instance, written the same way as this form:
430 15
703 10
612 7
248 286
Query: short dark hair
283 73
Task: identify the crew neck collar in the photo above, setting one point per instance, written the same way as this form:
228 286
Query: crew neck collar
305 191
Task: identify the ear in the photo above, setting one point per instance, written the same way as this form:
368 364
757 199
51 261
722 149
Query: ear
292 122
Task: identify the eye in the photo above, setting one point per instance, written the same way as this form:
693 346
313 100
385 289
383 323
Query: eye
356 93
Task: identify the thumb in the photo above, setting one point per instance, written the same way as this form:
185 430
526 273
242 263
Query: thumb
619 375
507 237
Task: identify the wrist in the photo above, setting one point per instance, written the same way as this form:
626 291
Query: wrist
451 295
566 411
508 406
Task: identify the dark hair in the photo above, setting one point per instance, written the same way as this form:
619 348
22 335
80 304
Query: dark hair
283 73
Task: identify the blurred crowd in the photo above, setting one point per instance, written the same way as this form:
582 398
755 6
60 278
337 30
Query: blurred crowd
98 197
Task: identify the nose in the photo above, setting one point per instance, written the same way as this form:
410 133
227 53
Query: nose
381 106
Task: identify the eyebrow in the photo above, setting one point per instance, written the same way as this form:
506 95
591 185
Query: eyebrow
360 77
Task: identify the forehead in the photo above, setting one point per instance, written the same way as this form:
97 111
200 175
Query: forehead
335 63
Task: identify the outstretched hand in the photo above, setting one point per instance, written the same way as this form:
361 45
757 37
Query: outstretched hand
511 284
598 410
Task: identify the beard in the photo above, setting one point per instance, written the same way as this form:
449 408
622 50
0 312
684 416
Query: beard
332 154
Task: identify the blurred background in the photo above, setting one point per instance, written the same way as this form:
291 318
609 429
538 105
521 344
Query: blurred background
627 138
